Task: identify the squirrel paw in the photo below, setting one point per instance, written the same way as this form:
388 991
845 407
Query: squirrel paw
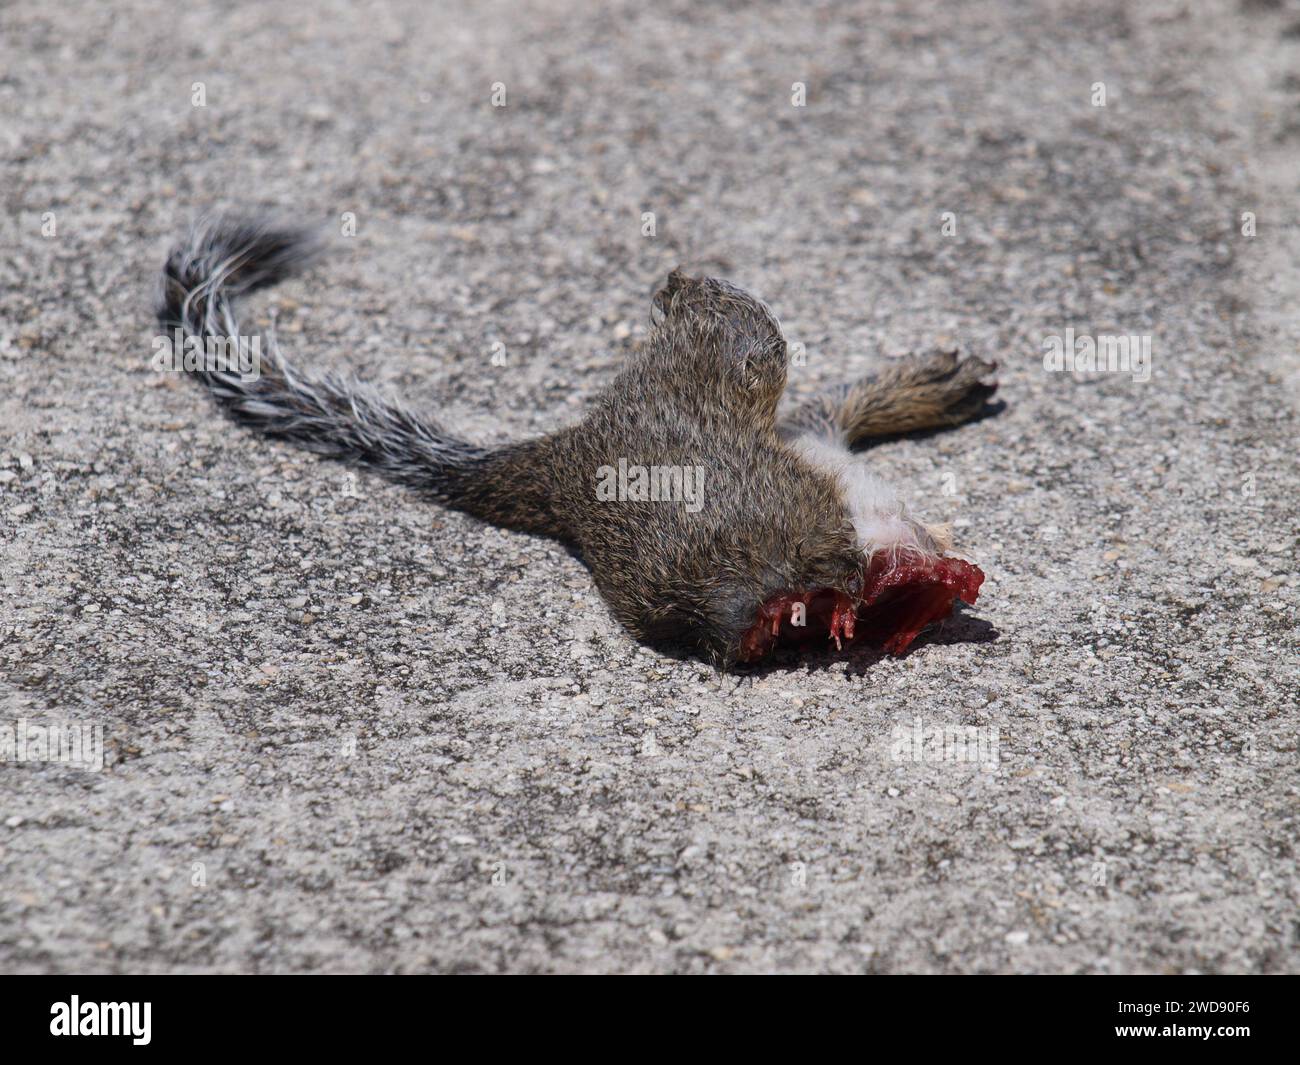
951 391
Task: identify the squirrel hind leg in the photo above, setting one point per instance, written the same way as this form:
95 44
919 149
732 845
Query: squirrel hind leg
931 392
725 341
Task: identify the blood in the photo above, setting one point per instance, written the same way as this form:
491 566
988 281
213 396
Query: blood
901 595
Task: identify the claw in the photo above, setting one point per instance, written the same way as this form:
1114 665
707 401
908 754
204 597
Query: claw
842 619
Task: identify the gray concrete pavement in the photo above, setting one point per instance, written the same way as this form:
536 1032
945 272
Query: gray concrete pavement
348 730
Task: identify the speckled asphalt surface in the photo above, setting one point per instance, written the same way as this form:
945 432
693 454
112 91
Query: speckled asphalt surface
345 729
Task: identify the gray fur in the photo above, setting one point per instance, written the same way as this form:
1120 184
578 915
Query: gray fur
702 392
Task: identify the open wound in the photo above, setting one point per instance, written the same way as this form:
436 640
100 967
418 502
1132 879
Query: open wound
901 595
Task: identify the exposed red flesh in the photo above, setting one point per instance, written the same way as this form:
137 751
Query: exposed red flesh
900 597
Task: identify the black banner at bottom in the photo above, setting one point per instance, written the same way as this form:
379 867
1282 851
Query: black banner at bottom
335 1014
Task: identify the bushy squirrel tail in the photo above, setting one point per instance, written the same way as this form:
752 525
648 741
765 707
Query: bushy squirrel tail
223 258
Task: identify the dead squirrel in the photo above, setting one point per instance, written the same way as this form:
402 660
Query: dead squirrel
791 536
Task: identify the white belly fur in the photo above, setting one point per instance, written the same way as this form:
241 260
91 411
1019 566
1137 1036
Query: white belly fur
879 515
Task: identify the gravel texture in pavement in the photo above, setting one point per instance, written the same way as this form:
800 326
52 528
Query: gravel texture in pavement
345 729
